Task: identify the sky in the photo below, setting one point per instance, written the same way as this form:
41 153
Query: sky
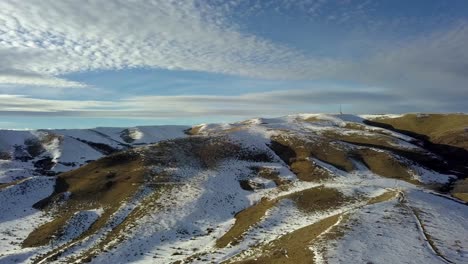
79 64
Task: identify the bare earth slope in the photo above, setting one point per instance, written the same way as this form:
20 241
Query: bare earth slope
307 188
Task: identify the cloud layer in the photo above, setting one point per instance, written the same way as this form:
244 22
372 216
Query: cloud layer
50 38
43 41
189 106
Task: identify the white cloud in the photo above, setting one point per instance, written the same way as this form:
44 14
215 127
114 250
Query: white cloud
40 41
249 104
52 38
37 80
21 103
370 100
433 66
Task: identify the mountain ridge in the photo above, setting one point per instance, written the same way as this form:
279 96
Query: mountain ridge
237 192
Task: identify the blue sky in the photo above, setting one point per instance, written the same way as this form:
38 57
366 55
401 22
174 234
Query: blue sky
75 64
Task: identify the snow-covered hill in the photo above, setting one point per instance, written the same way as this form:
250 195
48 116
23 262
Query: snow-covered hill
47 152
306 188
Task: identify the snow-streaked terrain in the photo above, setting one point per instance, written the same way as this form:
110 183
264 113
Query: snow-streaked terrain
38 152
338 189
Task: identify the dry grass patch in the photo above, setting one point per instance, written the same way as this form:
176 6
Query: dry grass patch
244 220
455 137
443 134
296 153
460 190
310 200
384 164
207 152
8 184
374 139
292 248
305 170
118 233
194 130
331 153
435 126
355 126
110 181
312 119
35 146
104 183
210 152
386 196
271 174
317 199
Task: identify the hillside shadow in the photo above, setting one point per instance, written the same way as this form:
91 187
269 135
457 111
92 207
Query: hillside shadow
455 157
17 202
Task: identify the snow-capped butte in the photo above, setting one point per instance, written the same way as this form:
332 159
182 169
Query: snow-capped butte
305 188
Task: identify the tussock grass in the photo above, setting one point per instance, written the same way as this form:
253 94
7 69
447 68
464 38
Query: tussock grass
193 131
375 139
443 134
271 174
437 127
384 164
310 200
312 119
296 152
317 199
147 205
428 124
292 248
207 152
91 187
244 220
460 190
112 180
386 196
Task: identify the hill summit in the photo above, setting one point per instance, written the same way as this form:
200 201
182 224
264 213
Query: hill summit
305 188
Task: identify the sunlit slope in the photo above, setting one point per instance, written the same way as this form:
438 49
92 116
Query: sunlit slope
448 129
443 134
296 189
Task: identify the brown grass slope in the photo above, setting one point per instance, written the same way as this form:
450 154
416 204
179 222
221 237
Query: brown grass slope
108 182
438 128
443 134
308 201
377 154
294 247
104 183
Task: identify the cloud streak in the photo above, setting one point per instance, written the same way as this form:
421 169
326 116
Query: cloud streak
249 104
43 41
53 38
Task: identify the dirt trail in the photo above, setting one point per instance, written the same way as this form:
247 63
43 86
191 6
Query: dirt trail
426 236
